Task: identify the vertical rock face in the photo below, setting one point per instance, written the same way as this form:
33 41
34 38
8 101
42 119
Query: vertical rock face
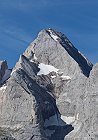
51 93
3 67
4 72
92 104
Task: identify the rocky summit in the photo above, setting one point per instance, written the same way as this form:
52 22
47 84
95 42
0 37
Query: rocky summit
50 94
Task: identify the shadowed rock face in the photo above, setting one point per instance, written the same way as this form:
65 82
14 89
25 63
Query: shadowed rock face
3 67
51 93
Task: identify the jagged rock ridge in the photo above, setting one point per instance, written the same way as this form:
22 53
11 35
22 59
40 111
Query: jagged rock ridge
51 93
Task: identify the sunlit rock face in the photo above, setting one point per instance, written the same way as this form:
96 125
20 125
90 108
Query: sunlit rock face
51 93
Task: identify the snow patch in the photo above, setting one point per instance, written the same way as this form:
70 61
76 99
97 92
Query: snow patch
13 71
53 76
77 117
35 58
54 120
68 119
46 69
31 61
63 77
59 120
54 36
3 87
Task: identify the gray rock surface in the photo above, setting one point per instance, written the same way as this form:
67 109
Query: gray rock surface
60 53
3 67
52 93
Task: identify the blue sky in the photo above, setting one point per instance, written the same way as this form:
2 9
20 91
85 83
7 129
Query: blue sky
21 20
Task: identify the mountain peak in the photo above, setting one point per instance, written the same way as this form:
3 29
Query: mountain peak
49 41
49 94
